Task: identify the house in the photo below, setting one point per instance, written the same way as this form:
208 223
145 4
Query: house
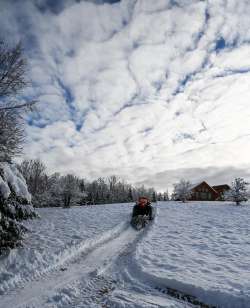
221 189
204 192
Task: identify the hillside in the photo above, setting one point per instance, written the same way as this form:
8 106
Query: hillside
91 257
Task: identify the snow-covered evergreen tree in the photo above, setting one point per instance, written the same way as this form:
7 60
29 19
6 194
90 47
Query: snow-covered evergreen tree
238 192
14 205
182 191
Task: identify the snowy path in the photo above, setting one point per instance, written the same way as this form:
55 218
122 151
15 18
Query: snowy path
85 265
59 236
87 280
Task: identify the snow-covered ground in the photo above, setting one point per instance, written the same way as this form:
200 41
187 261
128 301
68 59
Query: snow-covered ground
59 236
91 257
202 249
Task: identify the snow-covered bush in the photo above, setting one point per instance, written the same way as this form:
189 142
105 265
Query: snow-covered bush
238 192
182 190
14 205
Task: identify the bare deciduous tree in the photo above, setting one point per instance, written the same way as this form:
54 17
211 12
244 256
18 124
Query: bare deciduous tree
34 172
166 196
238 192
56 190
70 188
13 68
182 190
11 134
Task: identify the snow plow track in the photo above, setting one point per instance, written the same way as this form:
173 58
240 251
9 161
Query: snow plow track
80 267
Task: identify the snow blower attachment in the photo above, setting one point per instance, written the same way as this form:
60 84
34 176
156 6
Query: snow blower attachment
142 213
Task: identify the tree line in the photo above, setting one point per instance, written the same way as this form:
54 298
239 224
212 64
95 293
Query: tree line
67 190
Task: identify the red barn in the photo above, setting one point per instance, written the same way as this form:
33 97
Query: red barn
205 192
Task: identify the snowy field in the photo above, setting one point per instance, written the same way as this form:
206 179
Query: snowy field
202 249
91 257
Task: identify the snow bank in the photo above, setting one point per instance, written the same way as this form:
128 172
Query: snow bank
12 179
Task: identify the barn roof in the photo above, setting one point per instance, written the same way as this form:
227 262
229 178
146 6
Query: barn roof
196 185
222 186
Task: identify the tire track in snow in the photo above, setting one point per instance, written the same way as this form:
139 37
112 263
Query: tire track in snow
138 289
91 293
144 282
185 297
91 260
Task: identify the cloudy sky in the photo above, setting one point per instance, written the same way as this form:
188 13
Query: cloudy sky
151 90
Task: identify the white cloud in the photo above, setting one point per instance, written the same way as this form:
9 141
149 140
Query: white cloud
139 88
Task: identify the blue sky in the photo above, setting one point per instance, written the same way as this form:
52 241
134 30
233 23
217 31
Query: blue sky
151 90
